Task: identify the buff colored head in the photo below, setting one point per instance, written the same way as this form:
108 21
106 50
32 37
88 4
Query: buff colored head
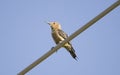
54 25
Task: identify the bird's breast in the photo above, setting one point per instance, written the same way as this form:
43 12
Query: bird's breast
56 37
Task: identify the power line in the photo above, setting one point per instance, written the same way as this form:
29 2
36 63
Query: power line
90 23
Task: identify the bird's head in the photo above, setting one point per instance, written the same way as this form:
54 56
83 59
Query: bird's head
54 25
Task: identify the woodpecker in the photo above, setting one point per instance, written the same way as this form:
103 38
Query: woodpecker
59 35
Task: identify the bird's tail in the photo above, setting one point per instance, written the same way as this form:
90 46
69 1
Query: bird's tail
71 51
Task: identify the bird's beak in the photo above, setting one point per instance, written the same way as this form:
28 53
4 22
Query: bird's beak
47 22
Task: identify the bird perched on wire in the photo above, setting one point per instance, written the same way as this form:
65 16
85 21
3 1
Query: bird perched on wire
59 35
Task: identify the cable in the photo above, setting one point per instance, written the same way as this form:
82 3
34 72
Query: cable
90 23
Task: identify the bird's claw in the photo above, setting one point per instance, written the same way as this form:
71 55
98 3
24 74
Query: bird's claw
52 48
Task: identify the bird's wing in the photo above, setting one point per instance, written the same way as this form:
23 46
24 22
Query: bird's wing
62 34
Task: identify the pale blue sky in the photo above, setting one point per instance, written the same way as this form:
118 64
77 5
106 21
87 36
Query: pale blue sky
24 37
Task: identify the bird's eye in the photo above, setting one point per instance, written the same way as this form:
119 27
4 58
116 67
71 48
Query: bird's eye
53 22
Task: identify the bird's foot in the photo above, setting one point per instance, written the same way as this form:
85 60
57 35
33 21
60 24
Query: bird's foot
52 48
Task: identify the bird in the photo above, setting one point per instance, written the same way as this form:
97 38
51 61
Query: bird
59 35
